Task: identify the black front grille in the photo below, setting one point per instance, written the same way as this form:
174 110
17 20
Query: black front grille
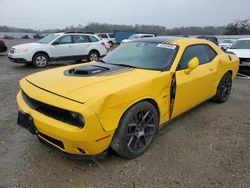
52 140
244 59
65 116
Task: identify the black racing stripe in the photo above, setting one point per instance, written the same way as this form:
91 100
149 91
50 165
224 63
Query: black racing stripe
116 72
53 92
171 41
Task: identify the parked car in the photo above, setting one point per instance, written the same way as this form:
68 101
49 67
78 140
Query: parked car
25 37
242 49
3 47
137 36
225 44
8 37
121 101
58 47
210 38
38 36
110 37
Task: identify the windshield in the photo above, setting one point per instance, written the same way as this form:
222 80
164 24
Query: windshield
144 55
48 38
134 37
241 44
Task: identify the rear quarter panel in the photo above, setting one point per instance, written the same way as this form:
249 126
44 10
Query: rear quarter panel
228 62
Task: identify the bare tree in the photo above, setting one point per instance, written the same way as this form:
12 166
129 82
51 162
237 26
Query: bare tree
239 27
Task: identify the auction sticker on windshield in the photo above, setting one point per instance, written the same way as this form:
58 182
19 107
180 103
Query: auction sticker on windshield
166 46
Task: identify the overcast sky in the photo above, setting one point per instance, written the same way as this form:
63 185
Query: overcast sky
51 14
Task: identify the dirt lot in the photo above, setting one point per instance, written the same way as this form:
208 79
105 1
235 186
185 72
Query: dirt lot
207 147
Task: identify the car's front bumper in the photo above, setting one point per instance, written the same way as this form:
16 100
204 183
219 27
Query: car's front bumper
90 140
245 62
19 57
18 60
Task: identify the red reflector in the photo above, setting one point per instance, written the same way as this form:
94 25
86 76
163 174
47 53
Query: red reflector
102 138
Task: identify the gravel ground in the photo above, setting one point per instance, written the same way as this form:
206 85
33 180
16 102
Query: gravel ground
208 146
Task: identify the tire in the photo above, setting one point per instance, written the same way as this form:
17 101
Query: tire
40 60
110 44
224 89
136 130
93 56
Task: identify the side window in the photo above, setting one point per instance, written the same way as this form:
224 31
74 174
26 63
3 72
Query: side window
67 39
111 36
93 39
204 53
210 52
81 39
104 36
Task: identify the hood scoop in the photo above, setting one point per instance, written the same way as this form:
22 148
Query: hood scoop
86 71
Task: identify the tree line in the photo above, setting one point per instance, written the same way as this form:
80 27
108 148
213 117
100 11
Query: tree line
238 27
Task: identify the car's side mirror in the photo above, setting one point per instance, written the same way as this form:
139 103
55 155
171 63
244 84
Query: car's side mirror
192 64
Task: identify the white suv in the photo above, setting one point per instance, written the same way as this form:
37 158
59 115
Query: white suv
109 37
59 47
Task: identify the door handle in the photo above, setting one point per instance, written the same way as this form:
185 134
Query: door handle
211 69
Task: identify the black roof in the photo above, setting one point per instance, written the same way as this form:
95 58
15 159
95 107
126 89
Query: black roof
160 39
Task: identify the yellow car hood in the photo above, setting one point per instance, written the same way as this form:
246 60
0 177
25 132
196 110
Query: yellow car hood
81 88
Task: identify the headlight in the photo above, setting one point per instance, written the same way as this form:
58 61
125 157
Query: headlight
66 116
76 119
21 50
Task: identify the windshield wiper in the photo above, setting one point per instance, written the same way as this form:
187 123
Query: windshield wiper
125 65
122 65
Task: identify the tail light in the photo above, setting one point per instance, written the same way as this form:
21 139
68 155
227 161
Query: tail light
103 43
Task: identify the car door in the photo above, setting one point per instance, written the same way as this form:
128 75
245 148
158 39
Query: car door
197 86
63 47
81 45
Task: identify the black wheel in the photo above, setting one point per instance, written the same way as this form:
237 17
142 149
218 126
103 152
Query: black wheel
40 60
111 44
224 88
93 56
136 130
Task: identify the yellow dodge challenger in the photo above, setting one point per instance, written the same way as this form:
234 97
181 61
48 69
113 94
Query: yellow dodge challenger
121 101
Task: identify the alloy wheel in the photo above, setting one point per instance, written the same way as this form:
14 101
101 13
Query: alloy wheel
41 61
226 88
140 131
93 57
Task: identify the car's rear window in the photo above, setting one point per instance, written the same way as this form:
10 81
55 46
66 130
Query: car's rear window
111 35
104 36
